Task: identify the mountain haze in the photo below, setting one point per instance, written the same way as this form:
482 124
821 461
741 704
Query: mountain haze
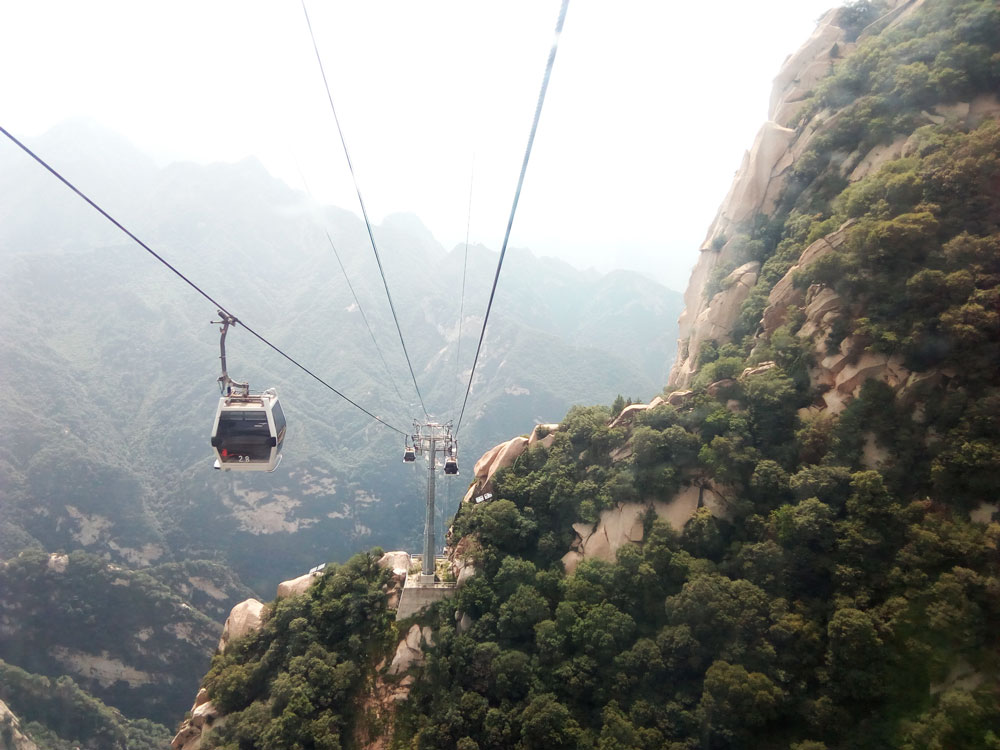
114 362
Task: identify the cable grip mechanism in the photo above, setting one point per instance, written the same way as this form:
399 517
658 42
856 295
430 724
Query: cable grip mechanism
227 385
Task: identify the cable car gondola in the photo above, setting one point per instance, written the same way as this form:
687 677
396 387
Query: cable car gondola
249 431
451 460
249 428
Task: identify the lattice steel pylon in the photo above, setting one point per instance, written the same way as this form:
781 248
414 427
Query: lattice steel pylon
433 438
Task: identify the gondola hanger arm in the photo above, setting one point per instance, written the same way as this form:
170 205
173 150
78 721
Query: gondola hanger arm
227 385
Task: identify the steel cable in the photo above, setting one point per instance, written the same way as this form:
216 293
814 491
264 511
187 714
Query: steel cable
364 211
465 266
513 209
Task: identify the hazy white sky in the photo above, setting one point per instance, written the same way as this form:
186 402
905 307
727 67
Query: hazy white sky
650 107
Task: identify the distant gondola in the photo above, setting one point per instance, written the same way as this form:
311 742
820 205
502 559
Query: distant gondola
248 433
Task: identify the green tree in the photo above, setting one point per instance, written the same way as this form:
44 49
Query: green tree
702 536
734 701
617 405
513 572
546 724
769 485
521 612
728 619
958 719
618 732
512 671
603 631
856 656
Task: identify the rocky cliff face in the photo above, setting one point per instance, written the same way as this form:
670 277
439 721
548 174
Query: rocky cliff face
755 189
723 281
11 736
765 176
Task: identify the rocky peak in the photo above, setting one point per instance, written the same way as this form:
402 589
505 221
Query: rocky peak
805 67
755 189
766 171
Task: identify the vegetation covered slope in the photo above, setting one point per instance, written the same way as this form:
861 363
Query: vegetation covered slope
847 592
296 682
943 53
833 605
90 651
121 635
58 715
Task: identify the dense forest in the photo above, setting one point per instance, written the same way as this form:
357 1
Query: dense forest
847 592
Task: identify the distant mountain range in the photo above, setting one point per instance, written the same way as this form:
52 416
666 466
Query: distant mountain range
110 362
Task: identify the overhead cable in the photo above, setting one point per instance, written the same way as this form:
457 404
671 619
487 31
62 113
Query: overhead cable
465 266
188 281
364 211
357 301
364 317
513 208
